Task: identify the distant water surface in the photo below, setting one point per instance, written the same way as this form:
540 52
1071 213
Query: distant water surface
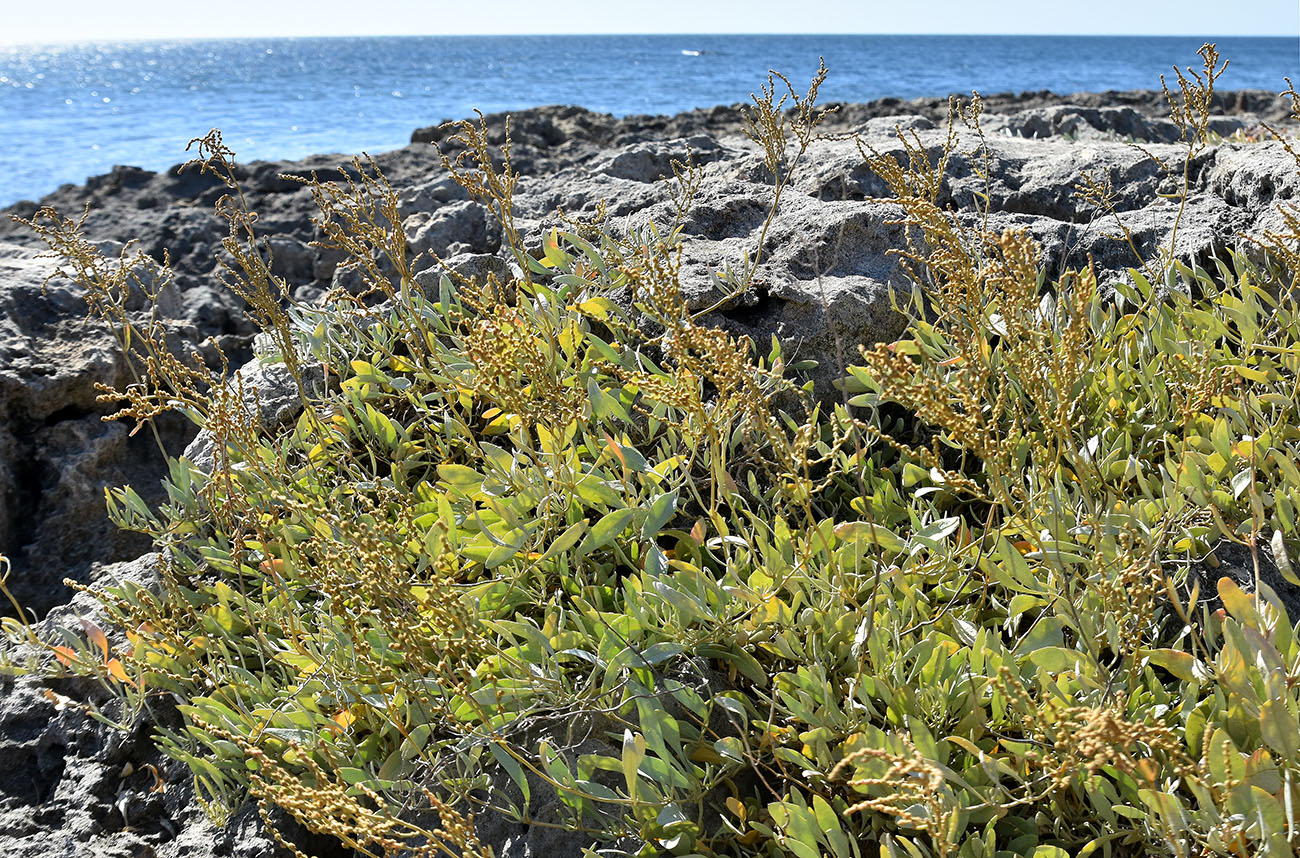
71 111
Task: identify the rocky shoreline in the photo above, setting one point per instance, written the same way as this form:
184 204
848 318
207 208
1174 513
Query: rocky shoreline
71 787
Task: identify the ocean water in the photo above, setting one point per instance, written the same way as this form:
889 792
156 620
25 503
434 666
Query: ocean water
75 110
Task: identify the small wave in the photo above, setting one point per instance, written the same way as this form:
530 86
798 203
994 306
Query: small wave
687 53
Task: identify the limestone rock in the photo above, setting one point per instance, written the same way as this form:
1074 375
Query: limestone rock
57 455
270 395
461 226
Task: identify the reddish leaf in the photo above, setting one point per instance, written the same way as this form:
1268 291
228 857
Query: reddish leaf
118 672
96 636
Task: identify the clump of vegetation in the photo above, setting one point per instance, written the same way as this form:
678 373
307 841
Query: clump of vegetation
550 544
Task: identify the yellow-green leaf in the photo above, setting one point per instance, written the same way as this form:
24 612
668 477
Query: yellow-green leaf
1238 603
461 479
604 531
1279 728
1181 664
867 533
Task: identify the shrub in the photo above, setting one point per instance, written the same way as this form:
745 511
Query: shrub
555 546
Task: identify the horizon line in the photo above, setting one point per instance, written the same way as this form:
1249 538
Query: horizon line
534 35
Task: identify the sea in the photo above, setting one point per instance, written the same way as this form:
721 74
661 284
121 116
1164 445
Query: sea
69 111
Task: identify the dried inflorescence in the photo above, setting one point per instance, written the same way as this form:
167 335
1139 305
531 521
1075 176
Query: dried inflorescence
910 790
357 816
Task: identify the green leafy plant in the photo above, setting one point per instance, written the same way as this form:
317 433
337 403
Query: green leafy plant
554 548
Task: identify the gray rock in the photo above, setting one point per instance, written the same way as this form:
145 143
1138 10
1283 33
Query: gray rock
270 395
1255 179
1237 563
887 126
71 786
653 160
1105 123
292 259
141 572
475 267
457 226
57 455
428 196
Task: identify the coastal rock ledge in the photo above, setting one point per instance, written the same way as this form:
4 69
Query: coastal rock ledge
70 787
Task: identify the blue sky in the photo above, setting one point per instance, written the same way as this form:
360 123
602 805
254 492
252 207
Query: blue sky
62 20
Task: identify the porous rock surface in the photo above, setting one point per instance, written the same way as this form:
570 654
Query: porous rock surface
68 785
